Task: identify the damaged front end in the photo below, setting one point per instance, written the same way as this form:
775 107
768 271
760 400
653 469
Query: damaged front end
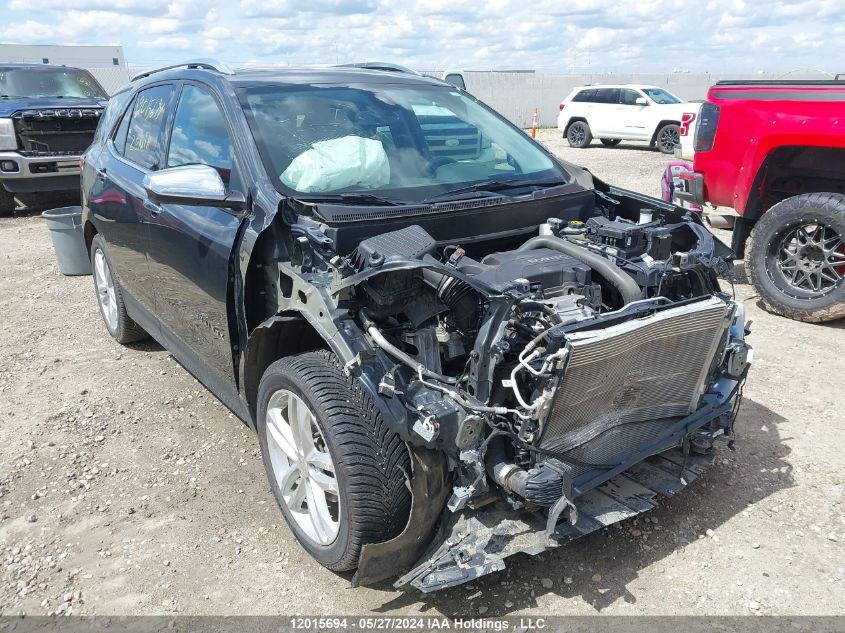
545 389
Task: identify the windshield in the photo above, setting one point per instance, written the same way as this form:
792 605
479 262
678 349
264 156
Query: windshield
401 142
49 82
659 95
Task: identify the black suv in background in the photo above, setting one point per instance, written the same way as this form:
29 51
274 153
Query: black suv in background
48 115
427 318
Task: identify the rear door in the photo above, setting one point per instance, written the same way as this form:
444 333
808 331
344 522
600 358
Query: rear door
191 246
578 106
602 112
116 198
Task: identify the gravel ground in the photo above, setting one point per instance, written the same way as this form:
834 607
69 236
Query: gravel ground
126 488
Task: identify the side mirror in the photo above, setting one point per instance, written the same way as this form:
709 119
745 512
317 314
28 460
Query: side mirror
195 185
455 79
641 101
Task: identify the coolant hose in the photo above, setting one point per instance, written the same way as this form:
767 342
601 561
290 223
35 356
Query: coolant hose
625 284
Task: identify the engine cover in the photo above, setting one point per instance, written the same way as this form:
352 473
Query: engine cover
554 272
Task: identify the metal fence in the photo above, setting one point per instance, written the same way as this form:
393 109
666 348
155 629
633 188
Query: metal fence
516 94
112 78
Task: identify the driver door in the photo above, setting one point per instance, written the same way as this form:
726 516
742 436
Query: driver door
191 245
632 117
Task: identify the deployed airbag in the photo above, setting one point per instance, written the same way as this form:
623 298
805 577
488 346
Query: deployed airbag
349 161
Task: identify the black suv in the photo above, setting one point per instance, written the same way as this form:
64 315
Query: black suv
447 340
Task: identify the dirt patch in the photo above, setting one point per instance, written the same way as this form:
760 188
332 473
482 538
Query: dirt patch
126 488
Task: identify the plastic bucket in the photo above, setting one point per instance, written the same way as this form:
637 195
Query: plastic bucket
65 226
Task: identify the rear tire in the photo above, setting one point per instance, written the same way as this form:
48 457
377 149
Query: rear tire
367 499
110 297
667 137
610 142
578 134
7 202
795 254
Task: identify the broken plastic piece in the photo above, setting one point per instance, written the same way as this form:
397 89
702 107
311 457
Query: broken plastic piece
478 543
459 499
561 505
425 429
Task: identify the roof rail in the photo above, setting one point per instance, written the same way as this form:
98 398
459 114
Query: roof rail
205 63
387 66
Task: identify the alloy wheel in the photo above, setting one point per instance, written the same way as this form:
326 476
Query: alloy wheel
576 135
303 467
105 289
809 258
669 137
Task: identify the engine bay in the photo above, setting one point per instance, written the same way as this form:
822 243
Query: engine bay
540 363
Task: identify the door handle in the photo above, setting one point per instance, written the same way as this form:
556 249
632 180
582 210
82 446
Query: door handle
152 207
101 173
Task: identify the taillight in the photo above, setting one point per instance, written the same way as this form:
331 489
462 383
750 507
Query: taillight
81 163
561 106
686 121
705 130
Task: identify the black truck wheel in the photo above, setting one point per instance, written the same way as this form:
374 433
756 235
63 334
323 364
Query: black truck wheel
667 137
337 471
797 257
7 202
578 134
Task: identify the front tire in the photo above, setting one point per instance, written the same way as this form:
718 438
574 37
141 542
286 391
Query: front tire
578 134
667 137
7 202
797 257
110 297
337 471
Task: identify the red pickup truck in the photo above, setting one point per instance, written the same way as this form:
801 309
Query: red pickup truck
775 152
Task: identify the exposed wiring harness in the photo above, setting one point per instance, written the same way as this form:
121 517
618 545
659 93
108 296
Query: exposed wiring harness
469 404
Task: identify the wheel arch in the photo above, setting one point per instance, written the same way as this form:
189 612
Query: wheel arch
575 119
792 170
279 336
88 232
659 127
788 169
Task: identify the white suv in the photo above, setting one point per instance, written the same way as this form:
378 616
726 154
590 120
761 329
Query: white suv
623 112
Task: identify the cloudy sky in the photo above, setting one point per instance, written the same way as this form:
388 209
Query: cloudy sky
560 35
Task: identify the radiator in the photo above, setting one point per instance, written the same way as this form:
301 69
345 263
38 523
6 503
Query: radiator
624 384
